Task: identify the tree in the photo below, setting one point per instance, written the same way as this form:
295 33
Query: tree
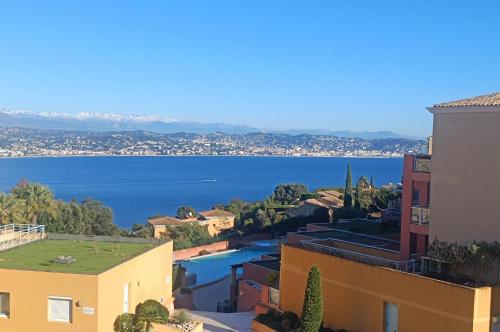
372 184
98 218
11 210
185 212
359 192
125 323
289 193
348 187
150 312
312 309
38 199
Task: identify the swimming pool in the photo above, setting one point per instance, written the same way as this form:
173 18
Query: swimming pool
214 267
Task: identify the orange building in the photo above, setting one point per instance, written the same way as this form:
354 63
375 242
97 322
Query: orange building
78 284
376 284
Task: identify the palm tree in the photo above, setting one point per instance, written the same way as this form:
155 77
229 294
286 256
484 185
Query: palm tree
11 209
38 200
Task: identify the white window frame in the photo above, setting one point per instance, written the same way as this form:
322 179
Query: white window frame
6 314
60 298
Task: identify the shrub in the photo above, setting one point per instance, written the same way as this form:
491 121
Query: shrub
150 312
124 323
312 309
281 322
289 321
182 317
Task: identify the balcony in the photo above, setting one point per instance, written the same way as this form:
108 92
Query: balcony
420 216
422 164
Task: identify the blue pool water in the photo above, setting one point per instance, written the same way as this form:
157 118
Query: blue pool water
214 267
139 187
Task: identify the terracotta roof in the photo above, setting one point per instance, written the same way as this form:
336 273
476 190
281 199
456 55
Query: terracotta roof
316 202
165 221
216 213
485 100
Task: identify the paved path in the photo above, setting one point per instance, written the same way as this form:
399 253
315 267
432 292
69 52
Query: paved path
223 322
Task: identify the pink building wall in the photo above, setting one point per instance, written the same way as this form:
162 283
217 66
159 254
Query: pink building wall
413 181
195 251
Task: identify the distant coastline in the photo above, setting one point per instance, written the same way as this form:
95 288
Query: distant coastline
200 155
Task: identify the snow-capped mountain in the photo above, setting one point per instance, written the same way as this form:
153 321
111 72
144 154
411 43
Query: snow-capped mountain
91 121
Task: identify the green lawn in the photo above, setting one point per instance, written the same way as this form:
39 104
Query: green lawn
91 257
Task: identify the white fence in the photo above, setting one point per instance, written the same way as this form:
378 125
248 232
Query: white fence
13 235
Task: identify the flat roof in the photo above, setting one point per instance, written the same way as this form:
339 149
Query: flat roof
353 238
268 263
92 257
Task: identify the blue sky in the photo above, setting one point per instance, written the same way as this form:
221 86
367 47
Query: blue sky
356 65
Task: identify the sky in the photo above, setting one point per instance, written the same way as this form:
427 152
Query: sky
357 65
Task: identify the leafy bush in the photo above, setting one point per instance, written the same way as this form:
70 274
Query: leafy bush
125 323
182 317
281 322
150 312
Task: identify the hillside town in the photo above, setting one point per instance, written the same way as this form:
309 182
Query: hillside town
19 142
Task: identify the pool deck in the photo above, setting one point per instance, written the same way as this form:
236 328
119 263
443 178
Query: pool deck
223 322
210 255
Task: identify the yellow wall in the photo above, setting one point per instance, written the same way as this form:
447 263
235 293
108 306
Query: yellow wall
354 296
29 293
216 225
149 276
465 163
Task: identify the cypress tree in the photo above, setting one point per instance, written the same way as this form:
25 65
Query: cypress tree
312 309
371 182
348 188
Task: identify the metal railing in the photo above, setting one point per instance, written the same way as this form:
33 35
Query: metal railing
422 164
13 235
407 266
420 216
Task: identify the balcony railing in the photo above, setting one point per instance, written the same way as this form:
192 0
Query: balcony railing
422 164
420 216
407 266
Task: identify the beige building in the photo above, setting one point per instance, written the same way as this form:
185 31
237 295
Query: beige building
216 220
465 166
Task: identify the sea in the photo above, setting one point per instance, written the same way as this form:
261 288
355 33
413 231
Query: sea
139 187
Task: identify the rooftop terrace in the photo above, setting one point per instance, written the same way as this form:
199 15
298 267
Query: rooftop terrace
92 257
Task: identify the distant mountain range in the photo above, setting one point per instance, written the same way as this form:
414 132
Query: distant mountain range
104 122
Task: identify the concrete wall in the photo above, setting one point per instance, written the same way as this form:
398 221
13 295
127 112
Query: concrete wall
149 276
195 251
465 176
256 273
248 296
354 296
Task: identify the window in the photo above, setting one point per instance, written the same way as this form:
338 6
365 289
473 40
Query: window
274 296
4 304
60 309
391 317
125 298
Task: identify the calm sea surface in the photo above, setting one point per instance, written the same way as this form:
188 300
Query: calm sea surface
139 187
